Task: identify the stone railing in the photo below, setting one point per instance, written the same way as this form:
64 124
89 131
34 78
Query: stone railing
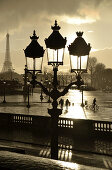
65 125
21 119
103 126
85 127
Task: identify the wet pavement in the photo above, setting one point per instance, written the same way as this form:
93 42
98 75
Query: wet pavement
67 157
96 156
17 104
85 152
18 161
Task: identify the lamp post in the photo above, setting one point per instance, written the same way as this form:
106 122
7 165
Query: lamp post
28 94
25 77
82 89
55 45
49 83
82 99
4 82
79 53
41 96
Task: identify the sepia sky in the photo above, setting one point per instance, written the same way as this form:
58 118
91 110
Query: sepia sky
20 18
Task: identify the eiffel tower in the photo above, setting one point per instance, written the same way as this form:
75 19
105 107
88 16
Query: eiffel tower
7 66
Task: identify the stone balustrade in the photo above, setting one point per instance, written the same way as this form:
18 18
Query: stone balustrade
65 125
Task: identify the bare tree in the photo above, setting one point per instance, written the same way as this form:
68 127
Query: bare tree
107 80
98 75
91 67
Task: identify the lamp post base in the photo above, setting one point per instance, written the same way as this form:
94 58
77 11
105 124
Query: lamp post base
54 113
4 101
82 105
28 106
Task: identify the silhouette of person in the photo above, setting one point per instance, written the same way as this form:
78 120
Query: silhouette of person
86 104
61 102
94 103
67 103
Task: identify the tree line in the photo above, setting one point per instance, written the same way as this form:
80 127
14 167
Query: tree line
98 76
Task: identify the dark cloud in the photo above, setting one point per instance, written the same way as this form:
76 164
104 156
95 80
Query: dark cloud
22 16
13 13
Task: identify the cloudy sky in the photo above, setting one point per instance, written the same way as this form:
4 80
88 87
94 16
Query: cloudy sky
20 18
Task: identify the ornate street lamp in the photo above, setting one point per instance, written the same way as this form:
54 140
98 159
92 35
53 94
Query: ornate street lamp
55 44
34 57
79 54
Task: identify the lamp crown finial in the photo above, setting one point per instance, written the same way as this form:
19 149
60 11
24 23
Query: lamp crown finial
34 33
56 27
56 23
79 34
34 37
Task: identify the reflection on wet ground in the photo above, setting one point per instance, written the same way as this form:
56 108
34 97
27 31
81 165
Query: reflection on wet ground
88 152
68 155
17 104
17 161
82 151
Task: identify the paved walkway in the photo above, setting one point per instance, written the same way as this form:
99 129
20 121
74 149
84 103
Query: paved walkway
11 160
74 160
37 108
17 104
75 111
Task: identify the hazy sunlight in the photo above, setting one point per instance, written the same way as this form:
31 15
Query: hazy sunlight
77 20
74 110
70 165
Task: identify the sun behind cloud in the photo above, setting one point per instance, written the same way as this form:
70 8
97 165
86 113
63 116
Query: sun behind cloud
77 20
